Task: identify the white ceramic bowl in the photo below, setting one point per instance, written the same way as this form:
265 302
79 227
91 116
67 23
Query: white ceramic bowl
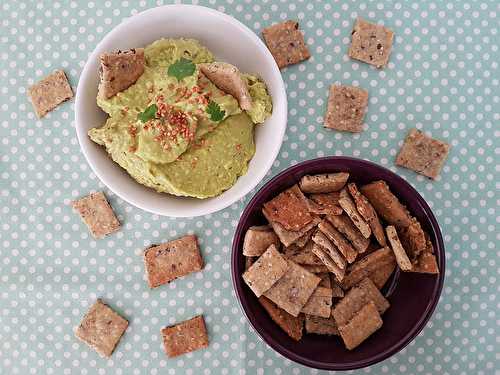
230 41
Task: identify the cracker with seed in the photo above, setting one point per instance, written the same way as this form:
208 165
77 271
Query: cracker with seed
315 269
302 255
119 70
350 209
173 259
327 203
321 240
302 241
101 328
320 303
292 325
371 43
258 239
97 214
399 252
286 43
361 326
346 108
381 275
426 261
293 290
346 227
323 183
413 238
321 326
423 154
185 337
386 204
288 237
337 291
338 240
266 271
368 213
48 93
288 209
327 260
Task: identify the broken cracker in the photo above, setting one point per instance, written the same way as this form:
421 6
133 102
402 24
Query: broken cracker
326 281
361 326
185 337
321 240
258 239
288 237
381 275
399 252
346 108
338 240
426 261
302 255
321 326
331 266
413 238
292 325
327 203
323 183
350 209
97 214
315 269
320 303
345 226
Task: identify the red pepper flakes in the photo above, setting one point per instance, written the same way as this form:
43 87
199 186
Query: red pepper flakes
238 147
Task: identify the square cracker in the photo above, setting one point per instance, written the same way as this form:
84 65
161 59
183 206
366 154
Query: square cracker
338 240
302 255
320 303
346 108
380 275
399 252
293 290
361 326
321 326
48 93
185 337
96 212
258 239
292 325
345 226
266 271
286 43
288 237
173 259
323 183
423 154
371 43
350 209
101 328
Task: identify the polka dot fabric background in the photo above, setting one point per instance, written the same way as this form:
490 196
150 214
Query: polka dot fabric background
443 78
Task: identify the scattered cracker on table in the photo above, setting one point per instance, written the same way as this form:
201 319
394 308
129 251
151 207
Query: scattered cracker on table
346 108
292 325
258 239
101 328
185 337
173 259
371 43
361 326
345 226
323 183
320 303
399 252
350 209
48 93
423 154
97 214
286 43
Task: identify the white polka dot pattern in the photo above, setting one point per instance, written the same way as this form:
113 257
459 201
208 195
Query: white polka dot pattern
442 77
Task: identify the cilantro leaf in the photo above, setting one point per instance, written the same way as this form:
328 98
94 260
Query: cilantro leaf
214 111
148 114
181 68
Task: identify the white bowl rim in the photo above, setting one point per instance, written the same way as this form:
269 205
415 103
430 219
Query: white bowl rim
220 204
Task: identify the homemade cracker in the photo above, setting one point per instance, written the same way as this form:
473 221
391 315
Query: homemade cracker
361 326
423 154
173 259
266 271
321 240
288 209
288 237
185 337
327 202
426 261
371 43
258 239
380 275
346 108
326 281
327 260
320 303
315 269
350 209
302 241
338 240
293 290
302 255
413 238
323 183
48 93
96 212
321 326
345 226
101 328
249 261
337 291
293 326
399 252
286 43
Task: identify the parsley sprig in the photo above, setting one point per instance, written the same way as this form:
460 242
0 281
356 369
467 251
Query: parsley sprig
181 69
214 112
148 114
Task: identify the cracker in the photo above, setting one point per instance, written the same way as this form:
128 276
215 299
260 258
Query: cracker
321 240
326 281
346 108
345 226
185 337
321 326
119 70
361 326
173 259
266 271
286 43
97 214
350 209
320 303
399 252
288 209
323 183
413 238
101 328
426 261
288 237
249 261
302 255
293 290
337 291
338 240
258 239
386 204
371 43
423 154
325 257
315 269
292 325
380 275
302 241
368 213
328 203
47 94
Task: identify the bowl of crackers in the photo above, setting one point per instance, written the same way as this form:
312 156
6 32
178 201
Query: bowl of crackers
338 263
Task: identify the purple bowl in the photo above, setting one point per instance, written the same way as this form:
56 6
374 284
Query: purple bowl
413 297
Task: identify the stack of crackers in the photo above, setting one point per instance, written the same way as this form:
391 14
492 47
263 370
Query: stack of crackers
326 253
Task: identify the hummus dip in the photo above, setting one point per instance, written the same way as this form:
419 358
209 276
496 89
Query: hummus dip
174 130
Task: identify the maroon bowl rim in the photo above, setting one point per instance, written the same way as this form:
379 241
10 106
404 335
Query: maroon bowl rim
403 341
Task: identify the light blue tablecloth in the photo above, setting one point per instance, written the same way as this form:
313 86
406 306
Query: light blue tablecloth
443 78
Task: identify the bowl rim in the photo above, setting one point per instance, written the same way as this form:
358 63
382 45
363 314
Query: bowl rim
403 341
220 204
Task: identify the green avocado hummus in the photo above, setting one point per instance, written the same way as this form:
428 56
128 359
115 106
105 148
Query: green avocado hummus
174 130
